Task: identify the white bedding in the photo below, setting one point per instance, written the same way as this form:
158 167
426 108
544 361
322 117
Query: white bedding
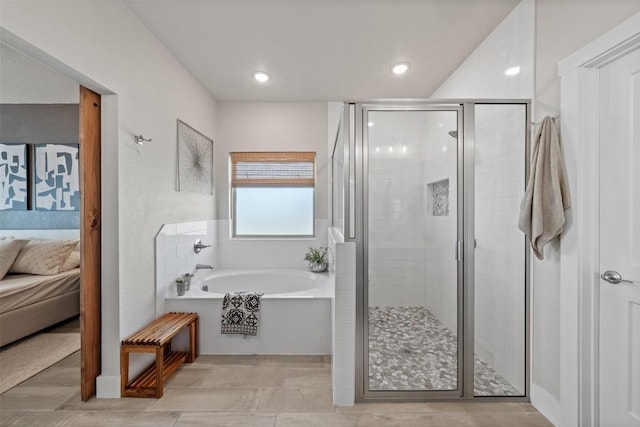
21 290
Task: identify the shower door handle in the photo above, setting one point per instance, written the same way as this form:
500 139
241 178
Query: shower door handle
459 251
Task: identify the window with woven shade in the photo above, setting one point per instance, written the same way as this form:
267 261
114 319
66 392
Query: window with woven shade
273 194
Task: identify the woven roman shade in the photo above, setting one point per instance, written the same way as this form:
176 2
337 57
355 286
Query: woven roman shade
287 169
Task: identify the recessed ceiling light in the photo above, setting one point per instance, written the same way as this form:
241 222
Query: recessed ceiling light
261 76
400 68
370 124
513 71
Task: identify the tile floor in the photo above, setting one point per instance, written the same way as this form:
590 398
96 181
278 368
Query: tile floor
410 349
239 391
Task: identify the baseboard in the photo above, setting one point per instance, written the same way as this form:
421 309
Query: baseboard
108 387
546 404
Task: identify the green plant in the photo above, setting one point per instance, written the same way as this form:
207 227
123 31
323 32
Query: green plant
316 255
182 279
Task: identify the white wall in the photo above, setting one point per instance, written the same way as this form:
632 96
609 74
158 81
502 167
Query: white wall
103 45
555 40
440 163
23 80
271 126
175 255
499 175
342 274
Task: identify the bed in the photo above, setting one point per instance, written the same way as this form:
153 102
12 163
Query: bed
31 302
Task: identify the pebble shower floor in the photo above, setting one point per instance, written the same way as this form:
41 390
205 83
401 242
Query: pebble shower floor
410 349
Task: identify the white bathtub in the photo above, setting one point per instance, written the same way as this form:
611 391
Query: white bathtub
295 311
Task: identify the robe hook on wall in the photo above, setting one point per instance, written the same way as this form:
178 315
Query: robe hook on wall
140 140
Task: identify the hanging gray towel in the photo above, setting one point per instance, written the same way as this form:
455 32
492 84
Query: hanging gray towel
241 313
547 194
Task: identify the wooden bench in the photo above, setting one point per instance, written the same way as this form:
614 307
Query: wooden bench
156 338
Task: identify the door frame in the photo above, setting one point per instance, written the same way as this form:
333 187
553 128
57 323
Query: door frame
356 226
363 392
107 385
579 265
90 233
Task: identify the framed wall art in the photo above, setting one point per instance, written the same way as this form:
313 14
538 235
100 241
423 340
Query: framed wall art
195 161
13 177
56 177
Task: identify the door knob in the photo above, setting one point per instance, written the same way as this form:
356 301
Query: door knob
614 277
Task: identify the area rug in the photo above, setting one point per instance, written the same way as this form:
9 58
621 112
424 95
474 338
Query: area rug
25 359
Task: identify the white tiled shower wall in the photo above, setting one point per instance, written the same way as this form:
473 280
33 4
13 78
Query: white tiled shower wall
499 313
500 251
396 229
440 163
342 273
175 255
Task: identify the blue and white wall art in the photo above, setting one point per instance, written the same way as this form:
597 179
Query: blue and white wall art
57 180
13 177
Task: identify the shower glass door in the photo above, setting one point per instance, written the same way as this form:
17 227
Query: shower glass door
412 278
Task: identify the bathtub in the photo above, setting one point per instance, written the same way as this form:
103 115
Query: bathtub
295 311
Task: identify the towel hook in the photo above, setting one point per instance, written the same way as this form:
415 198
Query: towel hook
140 140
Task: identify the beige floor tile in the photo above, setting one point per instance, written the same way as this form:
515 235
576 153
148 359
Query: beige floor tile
475 407
385 408
306 419
188 377
24 398
244 376
304 377
515 419
71 361
224 419
295 400
93 404
416 420
224 359
114 418
55 376
212 399
37 418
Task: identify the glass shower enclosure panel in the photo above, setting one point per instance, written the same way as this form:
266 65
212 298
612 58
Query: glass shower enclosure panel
500 304
412 288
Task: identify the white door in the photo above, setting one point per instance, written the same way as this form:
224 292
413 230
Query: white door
620 242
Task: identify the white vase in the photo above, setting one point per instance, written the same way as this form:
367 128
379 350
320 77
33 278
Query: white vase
318 267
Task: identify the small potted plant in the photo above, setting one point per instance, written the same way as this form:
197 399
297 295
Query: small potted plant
181 285
317 258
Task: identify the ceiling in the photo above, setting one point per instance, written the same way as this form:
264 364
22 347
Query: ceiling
320 50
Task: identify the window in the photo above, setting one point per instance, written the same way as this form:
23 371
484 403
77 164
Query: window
273 194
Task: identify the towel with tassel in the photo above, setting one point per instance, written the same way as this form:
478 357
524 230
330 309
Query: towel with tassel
547 194
241 313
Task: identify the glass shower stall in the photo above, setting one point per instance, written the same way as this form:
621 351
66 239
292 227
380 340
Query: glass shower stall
430 192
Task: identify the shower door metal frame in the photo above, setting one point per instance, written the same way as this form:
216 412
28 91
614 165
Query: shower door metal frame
356 230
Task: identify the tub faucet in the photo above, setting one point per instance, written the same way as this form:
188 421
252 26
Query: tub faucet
204 267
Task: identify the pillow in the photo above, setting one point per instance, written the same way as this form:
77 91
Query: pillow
44 257
73 261
9 250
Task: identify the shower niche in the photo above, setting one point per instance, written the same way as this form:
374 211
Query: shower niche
433 192
438 198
